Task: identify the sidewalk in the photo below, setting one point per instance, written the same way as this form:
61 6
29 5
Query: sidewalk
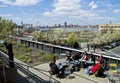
80 76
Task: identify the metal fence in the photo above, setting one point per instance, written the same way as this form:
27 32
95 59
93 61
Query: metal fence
26 69
56 49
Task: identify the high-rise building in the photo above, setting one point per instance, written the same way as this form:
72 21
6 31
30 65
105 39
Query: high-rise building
65 24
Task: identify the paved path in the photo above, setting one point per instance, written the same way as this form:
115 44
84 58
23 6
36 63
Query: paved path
80 76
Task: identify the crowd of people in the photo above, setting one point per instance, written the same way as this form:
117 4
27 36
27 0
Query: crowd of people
90 62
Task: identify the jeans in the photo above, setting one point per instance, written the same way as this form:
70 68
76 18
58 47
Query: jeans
88 70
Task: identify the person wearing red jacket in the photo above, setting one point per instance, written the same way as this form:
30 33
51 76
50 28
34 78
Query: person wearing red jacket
93 69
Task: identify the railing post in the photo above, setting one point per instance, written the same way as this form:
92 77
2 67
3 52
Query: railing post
32 44
29 44
88 47
37 45
10 54
42 46
53 50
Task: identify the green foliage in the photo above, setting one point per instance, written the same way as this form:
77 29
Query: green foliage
72 38
58 34
29 60
37 35
83 40
48 57
25 48
41 52
28 49
25 58
18 32
22 45
106 38
6 27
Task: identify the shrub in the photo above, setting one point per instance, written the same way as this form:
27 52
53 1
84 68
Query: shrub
27 54
41 52
29 60
72 38
23 49
22 45
83 40
28 49
25 58
22 58
48 57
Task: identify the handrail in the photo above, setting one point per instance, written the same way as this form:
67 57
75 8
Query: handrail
26 70
67 48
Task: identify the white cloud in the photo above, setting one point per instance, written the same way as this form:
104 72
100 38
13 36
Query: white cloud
47 13
6 1
20 2
67 5
26 2
116 11
17 18
6 15
93 5
71 8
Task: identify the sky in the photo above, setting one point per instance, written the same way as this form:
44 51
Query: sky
50 12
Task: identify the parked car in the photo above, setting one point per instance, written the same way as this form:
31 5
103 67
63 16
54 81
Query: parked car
113 45
118 43
102 48
107 47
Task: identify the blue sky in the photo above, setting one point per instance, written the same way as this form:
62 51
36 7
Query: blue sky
50 12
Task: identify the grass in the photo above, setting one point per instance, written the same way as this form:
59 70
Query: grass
29 55
83 40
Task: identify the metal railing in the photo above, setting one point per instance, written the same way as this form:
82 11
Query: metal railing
26 69
57 47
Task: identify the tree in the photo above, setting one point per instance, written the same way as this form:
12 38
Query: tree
6 27
72 38
107 38
18 32
58 33
37 35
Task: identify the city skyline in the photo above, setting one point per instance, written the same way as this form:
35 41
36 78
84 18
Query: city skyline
50 12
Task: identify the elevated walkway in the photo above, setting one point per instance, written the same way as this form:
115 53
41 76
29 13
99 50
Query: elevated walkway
79 77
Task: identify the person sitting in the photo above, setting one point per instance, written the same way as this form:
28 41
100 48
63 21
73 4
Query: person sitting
69 57
93 69
85 56
77 56
53 67
92 59
101 59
